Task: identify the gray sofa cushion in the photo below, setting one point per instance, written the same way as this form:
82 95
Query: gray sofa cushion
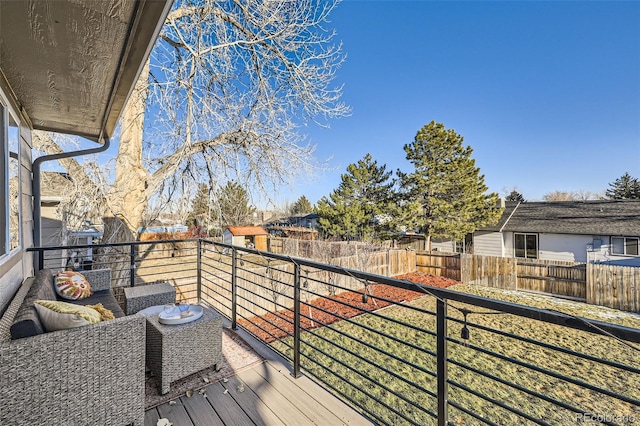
27 322
106 298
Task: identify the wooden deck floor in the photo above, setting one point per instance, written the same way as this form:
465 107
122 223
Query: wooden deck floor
266 394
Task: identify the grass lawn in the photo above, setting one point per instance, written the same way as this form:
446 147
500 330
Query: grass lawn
409 341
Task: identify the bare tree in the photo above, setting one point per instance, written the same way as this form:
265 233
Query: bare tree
222 98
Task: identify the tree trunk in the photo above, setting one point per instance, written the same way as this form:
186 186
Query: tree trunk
127 197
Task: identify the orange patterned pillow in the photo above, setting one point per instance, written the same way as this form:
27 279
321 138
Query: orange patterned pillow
72 285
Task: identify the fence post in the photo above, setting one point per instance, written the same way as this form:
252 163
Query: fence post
441 351
296 320
199 270
132 265
234 289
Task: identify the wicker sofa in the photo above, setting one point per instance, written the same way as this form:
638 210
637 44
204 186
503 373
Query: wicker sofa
86 375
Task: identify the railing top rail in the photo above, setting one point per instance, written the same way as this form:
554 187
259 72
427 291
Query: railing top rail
135 243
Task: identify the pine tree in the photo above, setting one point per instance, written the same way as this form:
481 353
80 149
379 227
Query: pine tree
357 208
624 188
301 206
515 196
232 206
447 184
200 207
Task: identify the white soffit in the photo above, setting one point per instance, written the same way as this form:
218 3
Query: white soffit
71 64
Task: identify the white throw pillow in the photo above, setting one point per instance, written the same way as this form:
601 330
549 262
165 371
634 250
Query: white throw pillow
61 316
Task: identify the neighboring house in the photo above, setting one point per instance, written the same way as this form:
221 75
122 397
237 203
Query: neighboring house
68 67
306 221
246 236
577 231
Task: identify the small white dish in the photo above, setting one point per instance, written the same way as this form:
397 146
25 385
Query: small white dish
174 316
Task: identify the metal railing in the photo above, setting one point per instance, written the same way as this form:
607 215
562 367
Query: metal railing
440 357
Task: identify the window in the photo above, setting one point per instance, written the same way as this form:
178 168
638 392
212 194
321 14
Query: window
526 245
10 191
627 246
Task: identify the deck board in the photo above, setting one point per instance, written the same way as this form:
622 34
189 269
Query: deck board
271 397
257 410
176 414
151 417
200 410
226 407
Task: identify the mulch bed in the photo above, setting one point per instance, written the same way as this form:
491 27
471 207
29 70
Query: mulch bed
326 310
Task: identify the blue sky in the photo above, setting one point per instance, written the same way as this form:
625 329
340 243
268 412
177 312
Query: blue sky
546 93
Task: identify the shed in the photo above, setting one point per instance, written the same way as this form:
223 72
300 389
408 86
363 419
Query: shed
246 236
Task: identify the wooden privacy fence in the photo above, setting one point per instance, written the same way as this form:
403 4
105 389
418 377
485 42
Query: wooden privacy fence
263 289
613 286
567 279
617 287
439 264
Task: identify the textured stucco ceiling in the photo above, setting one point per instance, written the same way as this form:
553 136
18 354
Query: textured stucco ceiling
71 64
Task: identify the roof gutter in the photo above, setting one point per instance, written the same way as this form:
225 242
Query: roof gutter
37 195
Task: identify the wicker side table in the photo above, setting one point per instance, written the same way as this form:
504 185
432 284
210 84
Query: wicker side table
141 297
176 351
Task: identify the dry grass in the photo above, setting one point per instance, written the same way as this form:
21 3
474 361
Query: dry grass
411 382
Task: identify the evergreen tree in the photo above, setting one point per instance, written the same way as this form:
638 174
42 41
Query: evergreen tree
232 207
515 196
358 207
301 206
624 188
200 207
447 184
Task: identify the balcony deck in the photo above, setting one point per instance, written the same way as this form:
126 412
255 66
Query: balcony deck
271 396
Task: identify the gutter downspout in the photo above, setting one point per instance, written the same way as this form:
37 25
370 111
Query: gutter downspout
37 196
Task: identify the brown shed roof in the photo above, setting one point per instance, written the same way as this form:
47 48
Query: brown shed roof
247 230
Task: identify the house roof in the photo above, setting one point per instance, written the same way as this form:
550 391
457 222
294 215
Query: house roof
71 65
55 185
247 230
597 217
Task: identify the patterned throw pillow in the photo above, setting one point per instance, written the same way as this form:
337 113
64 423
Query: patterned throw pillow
62 315
72 285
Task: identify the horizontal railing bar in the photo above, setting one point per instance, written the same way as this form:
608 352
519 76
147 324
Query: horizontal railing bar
368 361
550 373
548 346
366 327
472 414
498 403
360 374
378 315
516 386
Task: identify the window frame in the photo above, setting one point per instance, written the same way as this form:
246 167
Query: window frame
625 240
526 236
9 119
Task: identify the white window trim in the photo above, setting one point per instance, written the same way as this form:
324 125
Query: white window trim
7 112
624 245
525 245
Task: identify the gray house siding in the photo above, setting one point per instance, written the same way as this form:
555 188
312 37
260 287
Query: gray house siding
488 243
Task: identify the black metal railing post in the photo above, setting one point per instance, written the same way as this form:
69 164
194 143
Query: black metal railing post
234 289
441 368
296 320
132 265
199 271
40 264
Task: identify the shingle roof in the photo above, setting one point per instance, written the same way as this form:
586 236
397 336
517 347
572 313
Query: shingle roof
247 230
599 217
